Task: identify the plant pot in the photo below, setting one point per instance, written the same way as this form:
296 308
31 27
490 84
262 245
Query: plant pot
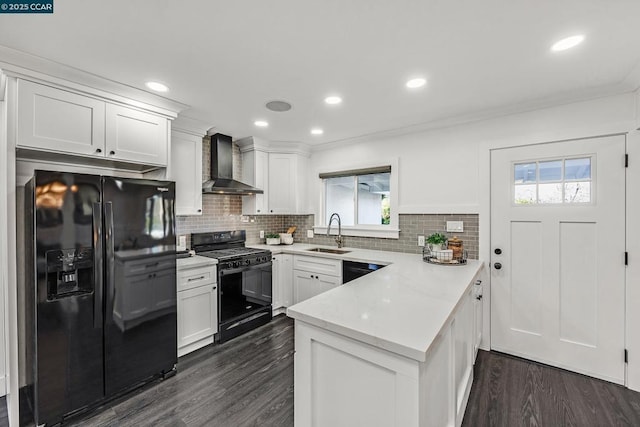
273 241
435 247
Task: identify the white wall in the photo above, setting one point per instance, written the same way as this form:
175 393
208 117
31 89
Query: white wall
447 170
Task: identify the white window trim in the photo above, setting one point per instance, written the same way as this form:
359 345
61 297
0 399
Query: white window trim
391 231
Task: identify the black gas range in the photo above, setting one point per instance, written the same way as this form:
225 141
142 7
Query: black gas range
244 281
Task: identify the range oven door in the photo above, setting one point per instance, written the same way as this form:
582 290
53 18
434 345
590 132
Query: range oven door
244 299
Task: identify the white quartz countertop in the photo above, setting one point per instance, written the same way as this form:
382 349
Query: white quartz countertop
195 261
400 308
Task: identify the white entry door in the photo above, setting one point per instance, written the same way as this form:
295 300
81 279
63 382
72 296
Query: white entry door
557 254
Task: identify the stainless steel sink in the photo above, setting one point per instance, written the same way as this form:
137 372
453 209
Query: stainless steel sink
329 251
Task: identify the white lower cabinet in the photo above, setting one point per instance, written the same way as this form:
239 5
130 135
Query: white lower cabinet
477 304
340 381
463 334
314 275
282 282
197 307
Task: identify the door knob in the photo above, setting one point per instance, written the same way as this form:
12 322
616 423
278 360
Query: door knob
497 251
497 265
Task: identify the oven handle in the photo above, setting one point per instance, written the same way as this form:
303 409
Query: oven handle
226 272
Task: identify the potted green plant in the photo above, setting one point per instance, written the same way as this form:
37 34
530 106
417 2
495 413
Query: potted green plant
436 241
272 238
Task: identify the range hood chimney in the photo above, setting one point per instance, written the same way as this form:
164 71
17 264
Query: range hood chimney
222 181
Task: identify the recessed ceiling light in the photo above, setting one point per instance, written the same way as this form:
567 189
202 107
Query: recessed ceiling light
158 87
332 100
416 83
261 123
316 131
567 43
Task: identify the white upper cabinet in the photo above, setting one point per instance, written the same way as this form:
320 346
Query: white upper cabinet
59 121
56 120
255 171
280 171
135 136
282 183
186 171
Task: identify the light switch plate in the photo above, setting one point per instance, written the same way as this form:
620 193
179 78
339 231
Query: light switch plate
309 234
455 226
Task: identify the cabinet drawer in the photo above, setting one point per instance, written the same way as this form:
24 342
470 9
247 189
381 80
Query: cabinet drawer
194 277
332 267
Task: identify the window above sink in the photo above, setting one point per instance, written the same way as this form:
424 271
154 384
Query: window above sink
365 196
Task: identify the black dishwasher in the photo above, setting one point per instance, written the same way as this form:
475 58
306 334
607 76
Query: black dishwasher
351 270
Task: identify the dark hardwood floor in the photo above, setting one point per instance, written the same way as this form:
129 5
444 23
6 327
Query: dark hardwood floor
248 381
509 391
4 417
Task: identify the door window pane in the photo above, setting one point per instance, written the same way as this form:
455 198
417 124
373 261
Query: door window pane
525 194
577 192
577 169
525 172
551 171
550 193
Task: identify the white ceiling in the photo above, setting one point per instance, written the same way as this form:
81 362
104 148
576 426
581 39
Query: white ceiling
226 59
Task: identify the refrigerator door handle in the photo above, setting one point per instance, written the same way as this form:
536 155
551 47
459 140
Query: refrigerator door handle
97 266
110 259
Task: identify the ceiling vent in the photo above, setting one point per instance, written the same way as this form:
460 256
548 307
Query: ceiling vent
278 106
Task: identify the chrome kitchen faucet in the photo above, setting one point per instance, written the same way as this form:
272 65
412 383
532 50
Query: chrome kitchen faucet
339 238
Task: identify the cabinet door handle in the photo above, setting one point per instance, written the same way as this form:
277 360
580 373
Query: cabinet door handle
215 287
111 153
195 278
199 210
258 210
312 276
478 282
98 150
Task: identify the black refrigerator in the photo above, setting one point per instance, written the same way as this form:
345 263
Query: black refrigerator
100 290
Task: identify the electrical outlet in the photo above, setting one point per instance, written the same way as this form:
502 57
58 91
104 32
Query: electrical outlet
182 242
309 234
455 226
262 234
420 240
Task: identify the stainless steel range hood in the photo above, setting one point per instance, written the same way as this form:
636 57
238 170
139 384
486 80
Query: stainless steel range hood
222 181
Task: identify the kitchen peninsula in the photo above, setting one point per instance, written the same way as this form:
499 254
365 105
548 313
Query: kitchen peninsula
393 348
